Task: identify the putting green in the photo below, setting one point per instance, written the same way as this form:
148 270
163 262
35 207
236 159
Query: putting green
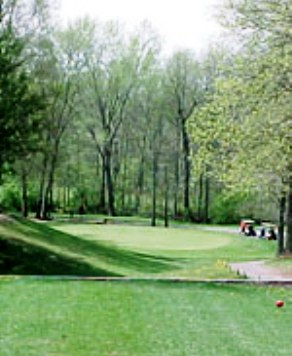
148 238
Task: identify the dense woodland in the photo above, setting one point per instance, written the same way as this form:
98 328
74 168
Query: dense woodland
95 119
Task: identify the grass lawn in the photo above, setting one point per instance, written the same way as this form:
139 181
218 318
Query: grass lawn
51 317
119 249
34 248
81 248
146 238
192 251
145 318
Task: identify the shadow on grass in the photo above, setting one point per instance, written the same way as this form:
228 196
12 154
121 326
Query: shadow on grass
34 248
20 258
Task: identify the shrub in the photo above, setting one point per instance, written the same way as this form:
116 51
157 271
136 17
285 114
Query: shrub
225 209
10 195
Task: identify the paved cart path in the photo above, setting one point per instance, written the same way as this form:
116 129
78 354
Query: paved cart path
259 270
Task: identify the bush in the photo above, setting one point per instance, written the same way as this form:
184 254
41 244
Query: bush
225 209
10 195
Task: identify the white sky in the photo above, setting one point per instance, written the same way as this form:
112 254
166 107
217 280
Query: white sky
180 23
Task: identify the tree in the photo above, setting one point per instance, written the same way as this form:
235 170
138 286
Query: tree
269 22
58 74
183 85
248 116
20 102
113 69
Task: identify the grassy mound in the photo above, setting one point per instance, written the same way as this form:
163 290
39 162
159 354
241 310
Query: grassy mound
27 247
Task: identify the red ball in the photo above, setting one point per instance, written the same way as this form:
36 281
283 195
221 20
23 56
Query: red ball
279 303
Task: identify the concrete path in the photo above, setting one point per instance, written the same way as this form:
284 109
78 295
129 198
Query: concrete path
259 271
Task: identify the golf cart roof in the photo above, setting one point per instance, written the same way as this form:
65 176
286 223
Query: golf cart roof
267 224
248 221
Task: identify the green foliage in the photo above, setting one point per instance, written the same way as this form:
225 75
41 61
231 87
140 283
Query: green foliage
225 209
115 113
10 195
19 101
243 131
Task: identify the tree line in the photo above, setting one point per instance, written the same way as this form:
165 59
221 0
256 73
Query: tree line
95 119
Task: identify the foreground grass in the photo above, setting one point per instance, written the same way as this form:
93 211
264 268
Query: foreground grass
102 318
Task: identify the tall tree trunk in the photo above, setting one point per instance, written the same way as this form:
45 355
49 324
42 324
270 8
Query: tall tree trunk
109 183
154 187
123 187
102 200
140 183
141 175
200 197
43 203
48 198
282 209
46 187
166 188
64 198
176 175
187 171
289 218
59 197
24 195
41 197
207 196
69 196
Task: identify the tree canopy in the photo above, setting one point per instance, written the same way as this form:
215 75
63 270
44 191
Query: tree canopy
245 127
20 100
94 118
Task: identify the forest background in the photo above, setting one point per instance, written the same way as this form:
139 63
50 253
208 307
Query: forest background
94 119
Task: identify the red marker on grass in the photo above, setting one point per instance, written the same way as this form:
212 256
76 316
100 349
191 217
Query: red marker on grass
279 303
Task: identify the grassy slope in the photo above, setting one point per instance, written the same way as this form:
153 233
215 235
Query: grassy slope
34 248
90 249
199 253
133 319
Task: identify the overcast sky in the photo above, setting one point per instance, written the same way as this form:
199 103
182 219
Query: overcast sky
181 23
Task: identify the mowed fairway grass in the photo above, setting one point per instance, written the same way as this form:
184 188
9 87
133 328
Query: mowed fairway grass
190 251
55 316
146 238
142 318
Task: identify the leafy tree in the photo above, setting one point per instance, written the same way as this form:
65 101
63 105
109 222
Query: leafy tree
58 80
183 83
245 128
20 102
114 66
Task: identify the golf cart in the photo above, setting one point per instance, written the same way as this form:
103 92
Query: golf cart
247 227
268 231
